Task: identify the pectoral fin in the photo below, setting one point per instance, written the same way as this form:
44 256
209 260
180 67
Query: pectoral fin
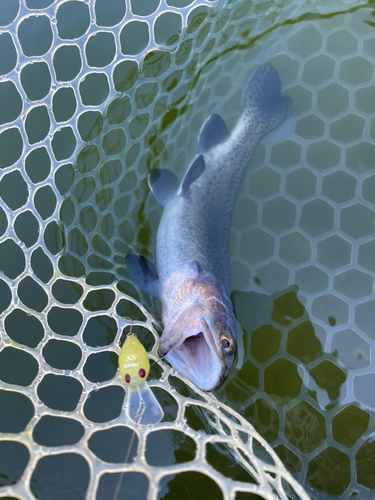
213 132
163 184
195 170
143 273
195 267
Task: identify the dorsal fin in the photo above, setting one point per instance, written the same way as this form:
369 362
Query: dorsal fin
163 184
195 170
213 132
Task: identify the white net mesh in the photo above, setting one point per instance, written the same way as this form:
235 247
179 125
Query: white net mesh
91 96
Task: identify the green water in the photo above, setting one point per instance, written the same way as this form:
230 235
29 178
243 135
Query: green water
290 387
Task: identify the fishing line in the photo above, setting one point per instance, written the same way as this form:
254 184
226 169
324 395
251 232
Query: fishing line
157 360
137 419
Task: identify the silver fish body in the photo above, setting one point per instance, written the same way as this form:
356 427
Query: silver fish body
193 282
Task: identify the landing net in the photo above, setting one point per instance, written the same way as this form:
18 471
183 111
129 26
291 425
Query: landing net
93 95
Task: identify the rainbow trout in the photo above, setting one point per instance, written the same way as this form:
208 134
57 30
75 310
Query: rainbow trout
193 273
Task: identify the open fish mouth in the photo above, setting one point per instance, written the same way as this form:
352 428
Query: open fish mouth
196 353
197 356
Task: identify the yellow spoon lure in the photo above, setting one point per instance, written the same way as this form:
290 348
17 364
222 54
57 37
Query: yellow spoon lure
134 367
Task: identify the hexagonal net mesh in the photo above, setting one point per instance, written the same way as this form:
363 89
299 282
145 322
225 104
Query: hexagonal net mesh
92 95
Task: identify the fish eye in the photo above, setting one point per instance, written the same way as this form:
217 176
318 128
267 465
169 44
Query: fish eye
226 343
142 373
127 378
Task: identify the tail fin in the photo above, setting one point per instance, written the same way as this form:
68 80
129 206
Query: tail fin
262 99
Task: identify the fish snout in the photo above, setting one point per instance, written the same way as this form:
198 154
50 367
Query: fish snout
164 347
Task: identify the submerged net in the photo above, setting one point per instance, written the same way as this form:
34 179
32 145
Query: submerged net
92 96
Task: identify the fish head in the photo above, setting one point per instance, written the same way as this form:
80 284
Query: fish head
201 344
